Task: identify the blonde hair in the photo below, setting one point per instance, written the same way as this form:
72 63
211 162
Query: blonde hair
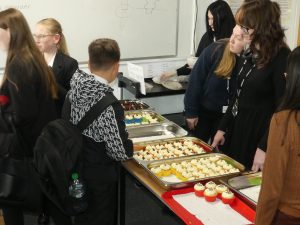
54 27
227 63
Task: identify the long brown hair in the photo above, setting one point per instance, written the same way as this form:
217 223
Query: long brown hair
268 37
54 27
227 61
22 44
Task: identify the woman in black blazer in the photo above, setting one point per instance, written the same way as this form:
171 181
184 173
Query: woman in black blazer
29 88
52 43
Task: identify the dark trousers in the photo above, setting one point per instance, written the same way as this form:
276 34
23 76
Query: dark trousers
14 215
282 219
208 122
102 209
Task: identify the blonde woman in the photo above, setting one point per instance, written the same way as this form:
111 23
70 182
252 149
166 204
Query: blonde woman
211 85
51 41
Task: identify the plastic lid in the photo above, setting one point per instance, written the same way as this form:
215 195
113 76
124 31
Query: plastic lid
74 176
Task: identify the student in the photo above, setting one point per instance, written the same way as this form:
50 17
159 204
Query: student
52 43
260 84
106 140
279 200
219 22
211 85
31 88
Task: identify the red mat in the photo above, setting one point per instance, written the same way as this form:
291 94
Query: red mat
238 205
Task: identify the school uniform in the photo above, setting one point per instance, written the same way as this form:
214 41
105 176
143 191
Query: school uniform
106 144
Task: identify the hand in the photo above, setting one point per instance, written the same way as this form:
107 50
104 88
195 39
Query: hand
192 123
166 75
259 159
219 139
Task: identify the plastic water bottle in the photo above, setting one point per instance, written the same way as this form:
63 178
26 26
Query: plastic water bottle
78 193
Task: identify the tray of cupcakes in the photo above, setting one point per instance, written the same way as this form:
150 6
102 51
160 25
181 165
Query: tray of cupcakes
145 117
133 104
148 151
185 171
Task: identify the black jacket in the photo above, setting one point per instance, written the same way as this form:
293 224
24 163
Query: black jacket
205 89
63 68
29 102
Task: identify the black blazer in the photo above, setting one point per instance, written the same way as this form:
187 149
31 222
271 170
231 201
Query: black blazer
63 68
30 104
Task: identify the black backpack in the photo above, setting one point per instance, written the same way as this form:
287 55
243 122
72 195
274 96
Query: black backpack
58 153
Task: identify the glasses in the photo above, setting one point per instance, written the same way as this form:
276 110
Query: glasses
41 36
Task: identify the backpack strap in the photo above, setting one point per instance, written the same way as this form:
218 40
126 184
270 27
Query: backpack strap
92 114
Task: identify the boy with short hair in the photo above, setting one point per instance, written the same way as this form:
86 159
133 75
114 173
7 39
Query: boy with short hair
106 139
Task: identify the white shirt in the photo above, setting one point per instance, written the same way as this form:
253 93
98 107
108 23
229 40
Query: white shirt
100 79
52 61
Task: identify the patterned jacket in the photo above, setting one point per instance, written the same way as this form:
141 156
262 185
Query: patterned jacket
106 138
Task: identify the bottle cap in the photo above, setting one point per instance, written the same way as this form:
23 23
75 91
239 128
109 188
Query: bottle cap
74 176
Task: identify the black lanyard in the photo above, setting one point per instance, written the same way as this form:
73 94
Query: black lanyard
234 109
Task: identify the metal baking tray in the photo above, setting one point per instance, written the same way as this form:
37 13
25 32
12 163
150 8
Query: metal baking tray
246 185
139 122
144 148
133 104
155 132
176 183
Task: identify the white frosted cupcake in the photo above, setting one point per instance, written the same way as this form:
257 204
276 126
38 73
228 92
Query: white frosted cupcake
199 189
227 197
210 194
211 185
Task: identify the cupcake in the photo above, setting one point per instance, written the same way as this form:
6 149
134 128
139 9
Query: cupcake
210 194
199 189
220 188
210 184
227 197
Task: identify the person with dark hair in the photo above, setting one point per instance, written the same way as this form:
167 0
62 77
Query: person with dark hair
52 43
106 139
211 85
219 22
261 84
31 89
279 199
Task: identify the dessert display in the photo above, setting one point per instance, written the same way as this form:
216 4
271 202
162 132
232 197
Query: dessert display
198 168
210 194
133 105
227 197
169 149
199 189
142 118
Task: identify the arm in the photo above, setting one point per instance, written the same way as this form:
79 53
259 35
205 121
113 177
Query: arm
275 166
71 67
278 81
114 133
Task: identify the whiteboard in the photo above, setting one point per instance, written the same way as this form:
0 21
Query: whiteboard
143 28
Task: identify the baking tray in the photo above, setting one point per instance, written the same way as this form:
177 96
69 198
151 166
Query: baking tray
246 185
144 118
155 131
168 197
172 182
133 104
149 151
